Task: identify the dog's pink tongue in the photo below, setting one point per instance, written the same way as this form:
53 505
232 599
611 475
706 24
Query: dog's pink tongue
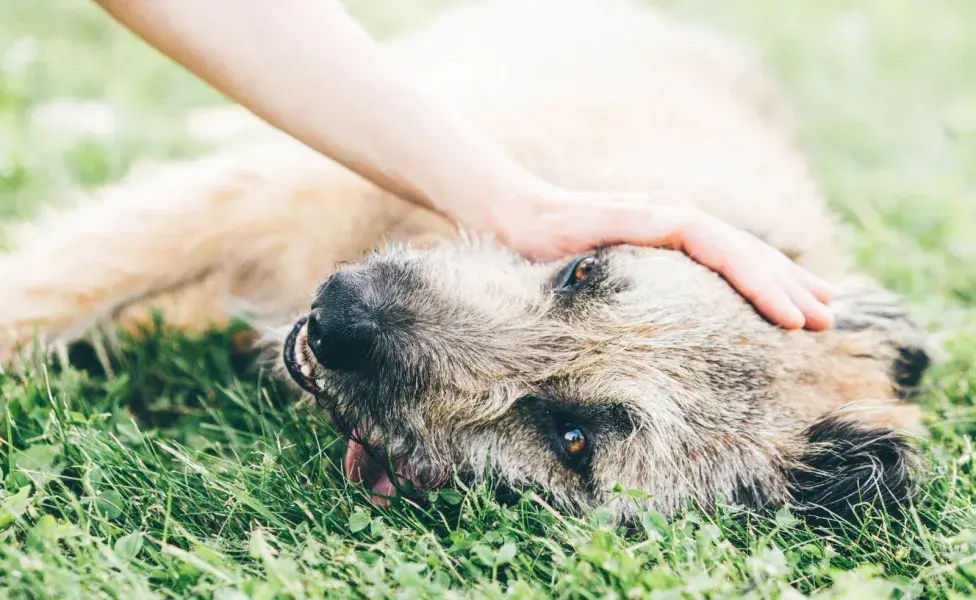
382 490
362 468
358 463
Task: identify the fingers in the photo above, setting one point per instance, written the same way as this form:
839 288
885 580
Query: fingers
807 294
816 315
768 295
780 297
780 290
821 290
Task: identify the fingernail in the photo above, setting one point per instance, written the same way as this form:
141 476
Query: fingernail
796 319
824 320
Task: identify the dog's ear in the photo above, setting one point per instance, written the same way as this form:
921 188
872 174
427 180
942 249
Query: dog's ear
847 466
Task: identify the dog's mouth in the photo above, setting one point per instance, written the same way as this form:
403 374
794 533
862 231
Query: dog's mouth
376 471
363 463
301 364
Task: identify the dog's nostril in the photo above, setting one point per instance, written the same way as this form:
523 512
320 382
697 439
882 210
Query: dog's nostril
341 327
317 332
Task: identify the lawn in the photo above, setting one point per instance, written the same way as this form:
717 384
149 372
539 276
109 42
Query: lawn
186 472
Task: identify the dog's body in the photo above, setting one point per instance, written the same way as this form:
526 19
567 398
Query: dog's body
588 95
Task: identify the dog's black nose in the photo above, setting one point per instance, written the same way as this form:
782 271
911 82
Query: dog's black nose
342 327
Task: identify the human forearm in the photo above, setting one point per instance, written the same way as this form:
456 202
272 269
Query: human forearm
307 68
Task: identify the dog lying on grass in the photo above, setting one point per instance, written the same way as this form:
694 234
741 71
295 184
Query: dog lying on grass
441 354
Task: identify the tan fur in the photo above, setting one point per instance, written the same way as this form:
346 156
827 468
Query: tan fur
589 95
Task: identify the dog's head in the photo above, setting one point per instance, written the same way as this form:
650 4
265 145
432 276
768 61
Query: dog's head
624 366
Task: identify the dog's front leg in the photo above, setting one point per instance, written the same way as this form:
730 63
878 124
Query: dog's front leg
149 237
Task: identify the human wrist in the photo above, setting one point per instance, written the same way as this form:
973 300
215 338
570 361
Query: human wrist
511 212
493 200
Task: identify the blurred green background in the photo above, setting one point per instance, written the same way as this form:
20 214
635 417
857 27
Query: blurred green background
885 98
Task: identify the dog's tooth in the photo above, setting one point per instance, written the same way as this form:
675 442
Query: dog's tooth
320 383
306 370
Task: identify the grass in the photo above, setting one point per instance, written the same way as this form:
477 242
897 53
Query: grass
187 473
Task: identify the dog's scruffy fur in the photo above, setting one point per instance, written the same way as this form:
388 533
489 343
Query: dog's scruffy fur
485 360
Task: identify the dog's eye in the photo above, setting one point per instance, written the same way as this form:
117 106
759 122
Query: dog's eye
576 272
574 441
583 269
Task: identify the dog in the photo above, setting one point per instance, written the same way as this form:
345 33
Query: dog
442 354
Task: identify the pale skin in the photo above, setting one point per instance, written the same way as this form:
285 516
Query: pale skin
307 68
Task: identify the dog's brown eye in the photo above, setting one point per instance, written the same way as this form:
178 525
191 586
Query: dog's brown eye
576 272
584 269
574 441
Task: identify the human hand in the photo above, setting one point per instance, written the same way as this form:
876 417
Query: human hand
556 223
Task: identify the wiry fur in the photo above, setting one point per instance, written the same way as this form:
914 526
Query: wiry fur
685 391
